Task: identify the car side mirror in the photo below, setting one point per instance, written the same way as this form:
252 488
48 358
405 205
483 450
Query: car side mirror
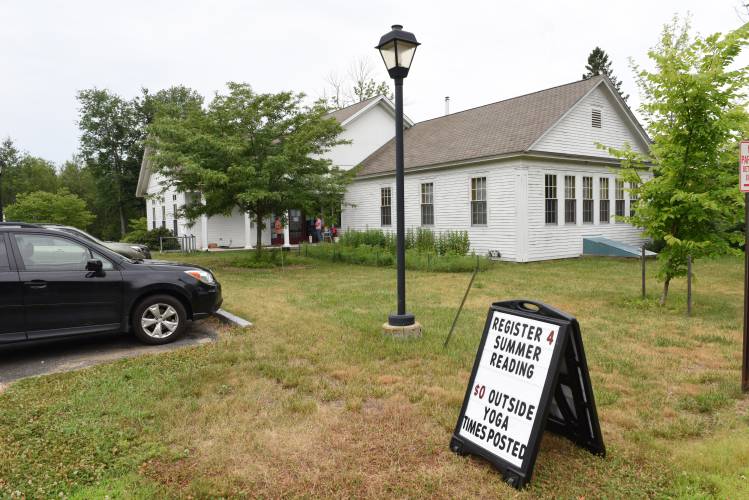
95 266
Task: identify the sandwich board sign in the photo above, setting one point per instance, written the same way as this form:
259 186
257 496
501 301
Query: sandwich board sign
530 374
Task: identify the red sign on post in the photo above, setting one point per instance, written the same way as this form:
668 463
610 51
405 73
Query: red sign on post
744 167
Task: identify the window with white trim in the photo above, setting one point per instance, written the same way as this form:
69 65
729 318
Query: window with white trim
478 201
633 199
604 201
163 215
153 217
427 204
619 197
550 198
385 213
587 200
174 219
570 200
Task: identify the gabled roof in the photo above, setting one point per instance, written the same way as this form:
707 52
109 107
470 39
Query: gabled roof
350 113
501 128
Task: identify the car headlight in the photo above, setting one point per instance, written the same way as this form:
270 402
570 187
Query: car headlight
202 276
136 248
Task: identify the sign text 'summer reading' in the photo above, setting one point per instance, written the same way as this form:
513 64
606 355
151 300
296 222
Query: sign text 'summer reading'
530 374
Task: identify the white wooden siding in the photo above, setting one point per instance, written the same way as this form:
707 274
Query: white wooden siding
452 204
561 240
367 132
575 135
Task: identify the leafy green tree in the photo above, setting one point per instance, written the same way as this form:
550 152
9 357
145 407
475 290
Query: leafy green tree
9 158
599 64
27 174
57 208
694 105
112 142
262 153
174 101
79 180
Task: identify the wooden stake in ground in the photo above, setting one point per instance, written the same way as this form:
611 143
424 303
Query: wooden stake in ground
642 259
689 285
462 302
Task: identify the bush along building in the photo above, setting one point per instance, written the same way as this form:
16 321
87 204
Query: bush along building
524 176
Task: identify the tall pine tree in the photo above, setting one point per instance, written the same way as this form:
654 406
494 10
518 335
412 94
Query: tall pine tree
599 64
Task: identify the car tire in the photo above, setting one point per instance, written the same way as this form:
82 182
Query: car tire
159 319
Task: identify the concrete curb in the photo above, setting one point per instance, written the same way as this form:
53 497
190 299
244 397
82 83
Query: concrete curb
231 319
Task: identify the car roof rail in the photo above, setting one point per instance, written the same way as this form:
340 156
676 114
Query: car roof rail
19 224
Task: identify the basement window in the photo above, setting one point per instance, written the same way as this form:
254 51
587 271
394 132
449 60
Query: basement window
595 118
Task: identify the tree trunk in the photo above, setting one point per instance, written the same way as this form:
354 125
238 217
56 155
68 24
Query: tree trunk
665 291
123 222
259 224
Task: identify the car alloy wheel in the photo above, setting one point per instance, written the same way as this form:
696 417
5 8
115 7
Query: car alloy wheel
159 321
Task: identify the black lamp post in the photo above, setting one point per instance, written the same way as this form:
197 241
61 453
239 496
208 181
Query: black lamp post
397 49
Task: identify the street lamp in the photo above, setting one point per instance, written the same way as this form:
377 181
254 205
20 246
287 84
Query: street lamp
397 49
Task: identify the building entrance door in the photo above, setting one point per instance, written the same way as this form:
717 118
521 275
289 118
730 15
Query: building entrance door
297 227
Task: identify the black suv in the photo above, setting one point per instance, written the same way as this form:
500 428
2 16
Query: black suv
55 284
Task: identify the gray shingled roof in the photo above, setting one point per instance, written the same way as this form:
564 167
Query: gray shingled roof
344 114
508 126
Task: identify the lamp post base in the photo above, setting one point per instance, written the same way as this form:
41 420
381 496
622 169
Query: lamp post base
401 319
406 331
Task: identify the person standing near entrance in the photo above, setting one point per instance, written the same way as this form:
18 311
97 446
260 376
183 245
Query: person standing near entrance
278 227
318 228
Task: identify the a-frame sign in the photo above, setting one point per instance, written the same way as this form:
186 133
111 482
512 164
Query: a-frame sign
530 374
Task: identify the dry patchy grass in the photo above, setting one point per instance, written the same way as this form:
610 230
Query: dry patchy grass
314 401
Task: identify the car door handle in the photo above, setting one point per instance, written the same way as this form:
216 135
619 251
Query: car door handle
36 284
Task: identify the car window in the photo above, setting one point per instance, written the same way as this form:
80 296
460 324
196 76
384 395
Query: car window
107 264
51 253
4 263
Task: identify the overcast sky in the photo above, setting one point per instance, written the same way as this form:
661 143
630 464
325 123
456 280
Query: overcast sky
476 52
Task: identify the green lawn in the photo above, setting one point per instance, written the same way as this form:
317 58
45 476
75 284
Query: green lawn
314 401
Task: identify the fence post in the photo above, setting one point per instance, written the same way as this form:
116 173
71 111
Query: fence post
642 260
161 245
689 285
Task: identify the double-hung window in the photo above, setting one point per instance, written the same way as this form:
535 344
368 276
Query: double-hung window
632 199
153 216
619 198
550 195
385 214
570 200
587 200
163 215
604 200
427 204
478 201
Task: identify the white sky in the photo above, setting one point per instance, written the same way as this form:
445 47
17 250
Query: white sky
476 52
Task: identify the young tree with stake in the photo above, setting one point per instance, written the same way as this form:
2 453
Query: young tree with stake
694 105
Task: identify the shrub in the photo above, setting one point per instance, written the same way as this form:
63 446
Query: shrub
54 208
377 256
421 239
141 234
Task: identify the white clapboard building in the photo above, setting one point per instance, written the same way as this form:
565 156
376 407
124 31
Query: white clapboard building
367 125
523 176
